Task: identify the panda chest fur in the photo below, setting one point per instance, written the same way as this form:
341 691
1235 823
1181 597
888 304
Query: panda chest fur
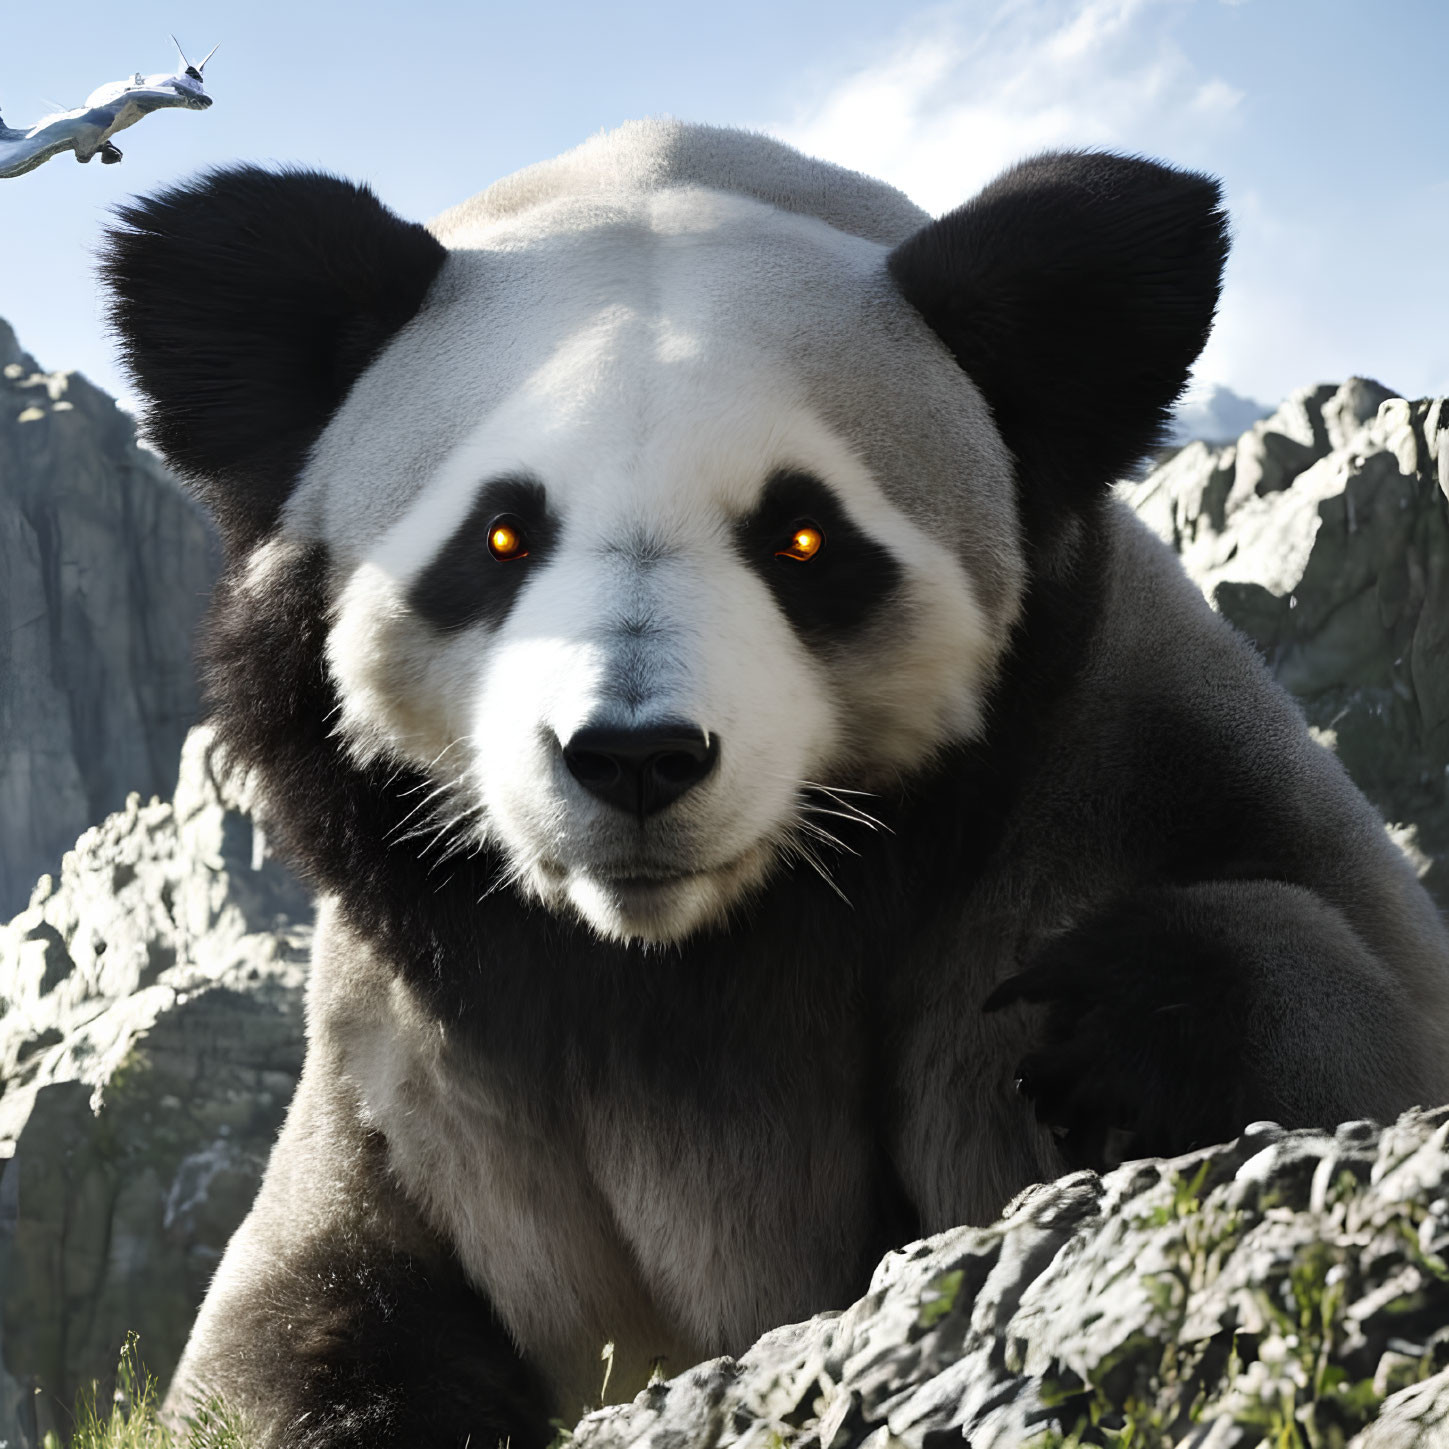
684 1221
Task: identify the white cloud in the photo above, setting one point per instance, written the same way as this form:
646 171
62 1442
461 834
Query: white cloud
970 88
1337 280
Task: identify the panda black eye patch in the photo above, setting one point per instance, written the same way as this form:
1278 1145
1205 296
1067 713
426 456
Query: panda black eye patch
831 589
479 572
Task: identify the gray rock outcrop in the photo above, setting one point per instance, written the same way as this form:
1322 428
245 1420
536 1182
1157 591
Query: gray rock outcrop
1323 534
150 1040
1289 1289
105 569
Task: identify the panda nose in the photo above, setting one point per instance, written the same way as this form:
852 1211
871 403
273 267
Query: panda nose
641 770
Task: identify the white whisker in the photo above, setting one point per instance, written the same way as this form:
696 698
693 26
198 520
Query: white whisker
836 794
800 851
441 831
854 812
869 821
432 795
463 840
837 789
459 837
818 832
508 874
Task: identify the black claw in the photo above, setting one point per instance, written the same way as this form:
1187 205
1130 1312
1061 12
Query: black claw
1136 1047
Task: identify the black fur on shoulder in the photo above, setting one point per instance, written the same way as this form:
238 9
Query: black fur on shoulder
247 303
1076 291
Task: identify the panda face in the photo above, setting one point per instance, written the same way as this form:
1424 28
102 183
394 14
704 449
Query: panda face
647 498
652 602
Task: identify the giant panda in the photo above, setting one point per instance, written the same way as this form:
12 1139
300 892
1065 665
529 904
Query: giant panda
767 801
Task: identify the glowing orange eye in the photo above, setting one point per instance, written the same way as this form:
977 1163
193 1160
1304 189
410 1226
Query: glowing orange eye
506 541
805 542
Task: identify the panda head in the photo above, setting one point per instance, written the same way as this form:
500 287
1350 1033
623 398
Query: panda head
663 508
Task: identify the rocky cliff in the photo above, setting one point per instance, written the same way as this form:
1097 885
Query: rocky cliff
105 569
150 1041
150 1037
1323 534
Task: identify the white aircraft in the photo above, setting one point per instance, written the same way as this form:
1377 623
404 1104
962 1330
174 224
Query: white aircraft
88 129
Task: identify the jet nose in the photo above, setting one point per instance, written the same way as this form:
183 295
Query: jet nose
641 770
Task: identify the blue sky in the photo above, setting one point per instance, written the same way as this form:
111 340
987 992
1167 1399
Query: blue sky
1327 120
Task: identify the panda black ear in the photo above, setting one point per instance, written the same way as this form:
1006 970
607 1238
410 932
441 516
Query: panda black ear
1076 291
247 303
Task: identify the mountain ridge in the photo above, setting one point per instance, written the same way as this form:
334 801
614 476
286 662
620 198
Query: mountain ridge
105 571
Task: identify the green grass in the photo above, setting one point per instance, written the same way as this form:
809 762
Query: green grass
131 1420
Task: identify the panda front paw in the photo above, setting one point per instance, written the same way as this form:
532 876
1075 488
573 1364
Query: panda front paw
1141 1053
